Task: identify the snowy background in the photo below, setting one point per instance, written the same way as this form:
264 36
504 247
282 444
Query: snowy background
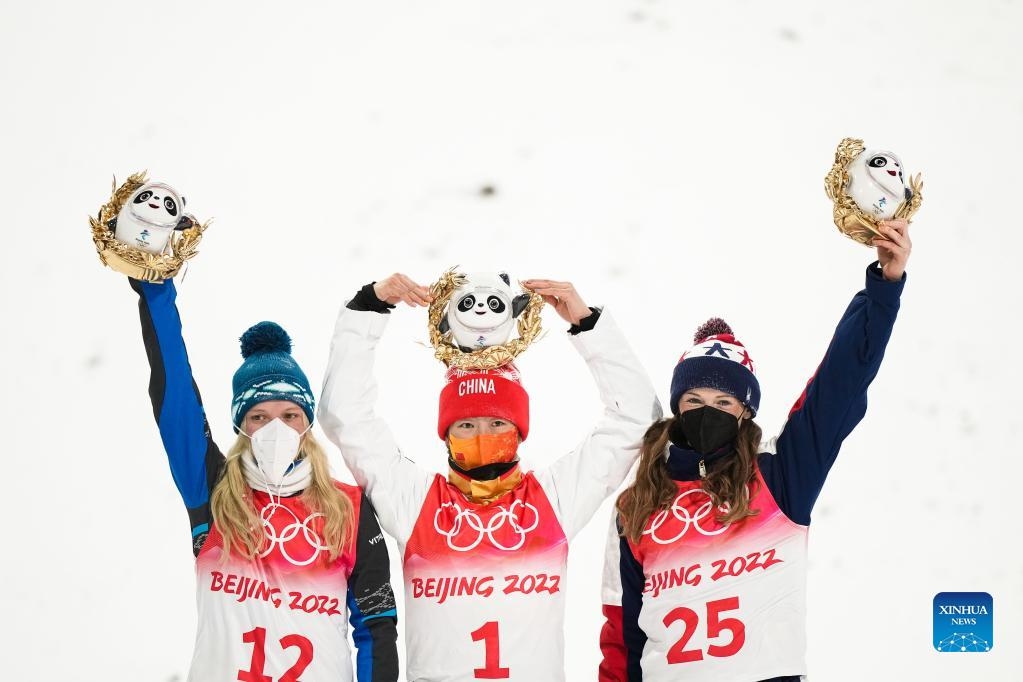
667 157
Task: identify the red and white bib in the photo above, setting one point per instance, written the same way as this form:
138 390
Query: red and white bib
281 617
489 579
722 603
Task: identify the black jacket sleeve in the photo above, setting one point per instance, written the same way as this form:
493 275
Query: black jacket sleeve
371 605
366 301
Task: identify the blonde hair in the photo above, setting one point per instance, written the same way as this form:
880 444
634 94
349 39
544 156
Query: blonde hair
235 513
730 482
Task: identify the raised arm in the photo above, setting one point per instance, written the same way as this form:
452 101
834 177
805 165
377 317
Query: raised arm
578 482
371 602
395 485
835 399
194 458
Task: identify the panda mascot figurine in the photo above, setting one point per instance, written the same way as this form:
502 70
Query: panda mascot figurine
148 218
877 183
482 311
867 186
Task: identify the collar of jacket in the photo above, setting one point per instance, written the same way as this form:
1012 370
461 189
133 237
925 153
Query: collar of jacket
502 479
684 464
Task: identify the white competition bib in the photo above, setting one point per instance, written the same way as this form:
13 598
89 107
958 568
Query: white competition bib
484 588
722 603
279 618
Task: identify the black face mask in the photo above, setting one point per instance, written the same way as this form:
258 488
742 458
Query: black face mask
705 429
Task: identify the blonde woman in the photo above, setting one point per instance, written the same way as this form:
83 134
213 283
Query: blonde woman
284 553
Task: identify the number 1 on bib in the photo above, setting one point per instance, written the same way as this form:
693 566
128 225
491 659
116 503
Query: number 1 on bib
493 670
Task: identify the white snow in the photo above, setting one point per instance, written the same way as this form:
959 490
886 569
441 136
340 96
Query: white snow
666 157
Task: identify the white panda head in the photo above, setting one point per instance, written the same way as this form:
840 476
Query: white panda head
877 183
157 204
483 310
147 219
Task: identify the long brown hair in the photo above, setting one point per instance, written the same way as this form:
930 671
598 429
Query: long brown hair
235 513
728 480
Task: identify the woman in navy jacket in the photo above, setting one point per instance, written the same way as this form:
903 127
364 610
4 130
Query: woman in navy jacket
705 575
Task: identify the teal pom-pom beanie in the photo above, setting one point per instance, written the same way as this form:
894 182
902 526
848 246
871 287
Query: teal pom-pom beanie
268 372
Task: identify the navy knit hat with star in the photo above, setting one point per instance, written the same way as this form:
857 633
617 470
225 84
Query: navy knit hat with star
269 372
717 361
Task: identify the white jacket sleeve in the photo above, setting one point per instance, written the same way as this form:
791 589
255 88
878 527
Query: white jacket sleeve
578 482
611 585
395 485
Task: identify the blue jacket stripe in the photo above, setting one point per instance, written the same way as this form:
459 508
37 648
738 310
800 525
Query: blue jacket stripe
363 640
390 613
181 417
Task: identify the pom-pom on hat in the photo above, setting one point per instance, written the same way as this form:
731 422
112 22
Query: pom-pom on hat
483 393
718 361
269 372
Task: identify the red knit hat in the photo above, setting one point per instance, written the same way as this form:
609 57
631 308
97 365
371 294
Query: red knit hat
483 393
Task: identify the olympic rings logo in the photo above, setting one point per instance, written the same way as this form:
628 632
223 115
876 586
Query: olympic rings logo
688 519
290 532
471 522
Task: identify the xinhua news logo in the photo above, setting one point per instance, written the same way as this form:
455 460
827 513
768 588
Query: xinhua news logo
963 622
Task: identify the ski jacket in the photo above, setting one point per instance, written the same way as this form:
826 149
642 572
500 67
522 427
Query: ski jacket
280 616
484 584
703 601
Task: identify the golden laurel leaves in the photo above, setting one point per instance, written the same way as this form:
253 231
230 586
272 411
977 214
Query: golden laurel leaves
850 220
491 357
133 262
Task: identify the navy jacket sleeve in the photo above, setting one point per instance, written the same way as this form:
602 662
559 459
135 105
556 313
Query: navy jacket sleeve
834 400
371 605
621 639
194 458
632 602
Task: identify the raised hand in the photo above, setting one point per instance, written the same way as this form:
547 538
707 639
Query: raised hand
893 248
399 287
562 296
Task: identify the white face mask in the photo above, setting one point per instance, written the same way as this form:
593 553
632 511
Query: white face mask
275 447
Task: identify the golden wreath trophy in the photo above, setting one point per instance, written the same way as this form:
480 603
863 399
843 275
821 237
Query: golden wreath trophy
143 231
472 317
868 186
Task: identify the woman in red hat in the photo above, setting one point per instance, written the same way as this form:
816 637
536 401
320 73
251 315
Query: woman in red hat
484 549
705 574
